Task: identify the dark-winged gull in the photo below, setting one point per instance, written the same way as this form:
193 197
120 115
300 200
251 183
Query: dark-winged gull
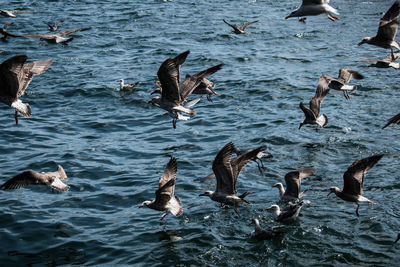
15 77
340 83
312 113
354 180
313 8
388 62
387 30
264 234
124 87
57 38
174 95
11 14
395 119
31 177
166 200
241 29
290 213
227 171
257 158
54 26
293 183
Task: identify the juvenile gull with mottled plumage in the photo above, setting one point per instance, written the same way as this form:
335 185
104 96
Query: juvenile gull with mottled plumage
340 83
264 234
241 29
293 184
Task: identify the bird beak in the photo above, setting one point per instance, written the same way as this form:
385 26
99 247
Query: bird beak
301 124
141 205
288 16
269 156
201 195
360 43
268 208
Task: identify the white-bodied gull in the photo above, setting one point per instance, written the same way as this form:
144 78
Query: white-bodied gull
313 8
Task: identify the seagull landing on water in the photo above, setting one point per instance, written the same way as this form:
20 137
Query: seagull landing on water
354 180
313 8
387 30
31 177
340 83
312 113
290 213
395 119
125 87
388 62
264 234
257 158
226 172
165 194
293 184
240 30
15 77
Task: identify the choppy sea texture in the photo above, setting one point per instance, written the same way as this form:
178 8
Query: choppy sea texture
115 147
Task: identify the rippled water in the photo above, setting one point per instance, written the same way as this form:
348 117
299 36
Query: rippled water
115 147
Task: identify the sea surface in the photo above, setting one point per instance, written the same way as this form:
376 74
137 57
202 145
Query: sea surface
114 147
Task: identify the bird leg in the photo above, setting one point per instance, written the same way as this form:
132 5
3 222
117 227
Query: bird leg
329 17
346 95
236 211
163 216
335 17
222 205
260 168
16 117
174 123
392 53
358 214
209 98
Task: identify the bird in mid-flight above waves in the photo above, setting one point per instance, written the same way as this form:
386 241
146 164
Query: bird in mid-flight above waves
241 29
57 38
53 26
340 83
313 8
293 183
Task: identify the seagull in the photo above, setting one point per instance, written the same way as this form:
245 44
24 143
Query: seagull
31 177
312 113
344 77
240 30
124 87
387 30
354 180
293 184
15 77
11 14
394 119
57 38
313 8
387 62
174 95
287 214
226 171
166 200
54 27
257 158
263 234
398 238
5 33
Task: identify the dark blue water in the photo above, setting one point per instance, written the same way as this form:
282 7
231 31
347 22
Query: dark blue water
115 147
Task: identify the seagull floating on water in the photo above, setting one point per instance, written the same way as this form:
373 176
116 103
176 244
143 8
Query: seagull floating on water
395 119
340 83
227 171
54 26
290 213
387 30
313 8
388 62
15 77
354 181
241 29
57 38
264 234
293 184
31 177
312 113
174 95
124 87
11 14
166 200
257 158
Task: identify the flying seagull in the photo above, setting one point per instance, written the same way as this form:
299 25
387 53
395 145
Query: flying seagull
166 200
124 87
240 30
264 234
15 77
354 180
174 95
313 8
293 183
388 62
57 38
387 30
227 171
394 119
312 113
287 214
54 26
11 14
257 158
31 177
340 83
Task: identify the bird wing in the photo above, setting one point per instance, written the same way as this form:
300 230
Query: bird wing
394 119
7 25
166 184
168 75
389 23
68 32
320 93
9 78
43 36
24 179
32 68
307 112
293 181
354 176
346 74
223 170
314 2
233 26
244 25
58 23
191 82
